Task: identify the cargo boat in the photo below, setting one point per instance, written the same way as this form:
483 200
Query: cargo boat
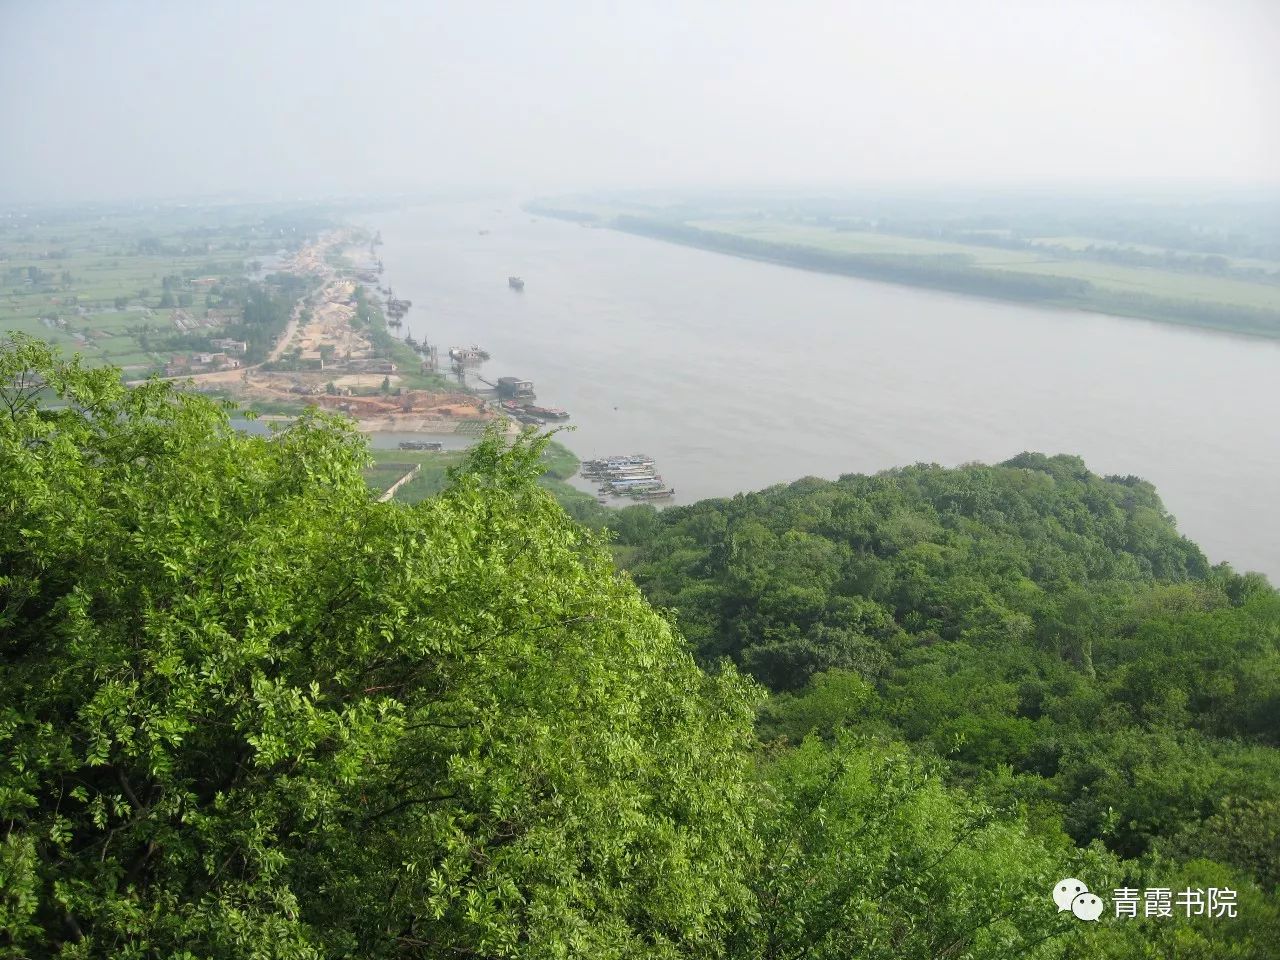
515 283
421 445
547 413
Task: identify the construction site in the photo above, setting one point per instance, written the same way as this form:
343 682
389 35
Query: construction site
325 358
341 370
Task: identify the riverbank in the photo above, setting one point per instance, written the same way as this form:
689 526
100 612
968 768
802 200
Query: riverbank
737 375
337 353
960 273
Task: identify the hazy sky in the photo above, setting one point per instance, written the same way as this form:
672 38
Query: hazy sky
108 98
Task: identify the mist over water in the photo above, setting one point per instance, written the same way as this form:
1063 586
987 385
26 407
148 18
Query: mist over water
737 375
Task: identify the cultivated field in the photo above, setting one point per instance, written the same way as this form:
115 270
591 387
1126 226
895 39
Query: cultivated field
1106 276
96 285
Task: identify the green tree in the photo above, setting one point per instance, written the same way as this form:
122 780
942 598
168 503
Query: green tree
866 854
246 711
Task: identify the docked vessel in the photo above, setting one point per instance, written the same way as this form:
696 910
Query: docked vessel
471 354
607 465
546 413
514 387
633 486
601 470
621 473
527 412
632 475
396 309
664 494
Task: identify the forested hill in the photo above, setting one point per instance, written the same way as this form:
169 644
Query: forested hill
246 711
1043 630
1035 553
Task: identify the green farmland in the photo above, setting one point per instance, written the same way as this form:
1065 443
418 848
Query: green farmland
1117 278
558 461
116 286
1213 264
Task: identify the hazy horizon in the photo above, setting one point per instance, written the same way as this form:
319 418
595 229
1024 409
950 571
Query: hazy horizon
123 100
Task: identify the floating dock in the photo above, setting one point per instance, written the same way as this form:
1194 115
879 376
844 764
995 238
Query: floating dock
631 475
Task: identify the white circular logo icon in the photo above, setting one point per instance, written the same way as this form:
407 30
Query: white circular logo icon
1065 891
1087 906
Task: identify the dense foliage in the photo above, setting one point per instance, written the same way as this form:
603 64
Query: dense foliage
1043 631
245 711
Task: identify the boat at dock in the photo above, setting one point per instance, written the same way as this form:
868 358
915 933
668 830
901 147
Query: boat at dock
622 472
633 459
514 388
529 412
515 283
610 483
633 486
546 413
471 354
598 471
631 475
663 494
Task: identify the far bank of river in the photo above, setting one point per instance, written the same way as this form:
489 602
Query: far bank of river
736 374
1045 288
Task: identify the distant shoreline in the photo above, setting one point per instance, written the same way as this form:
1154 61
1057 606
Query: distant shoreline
1003 286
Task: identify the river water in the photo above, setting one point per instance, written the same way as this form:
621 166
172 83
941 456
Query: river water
736 375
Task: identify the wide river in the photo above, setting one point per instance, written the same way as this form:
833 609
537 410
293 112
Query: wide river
737 375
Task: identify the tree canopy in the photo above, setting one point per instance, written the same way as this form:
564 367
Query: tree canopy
248 712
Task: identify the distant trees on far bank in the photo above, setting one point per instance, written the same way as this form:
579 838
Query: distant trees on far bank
954 273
